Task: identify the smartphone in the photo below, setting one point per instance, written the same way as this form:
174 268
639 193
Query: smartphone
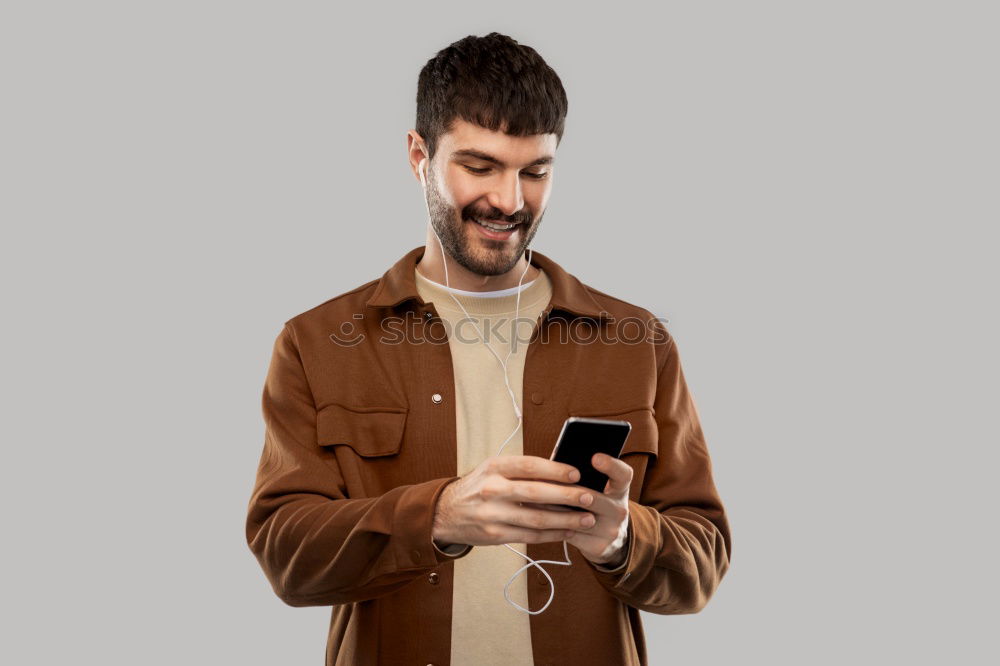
579 439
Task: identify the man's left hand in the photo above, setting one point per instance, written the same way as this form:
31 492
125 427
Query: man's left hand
604 542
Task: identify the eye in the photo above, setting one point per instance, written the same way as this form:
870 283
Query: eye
481 171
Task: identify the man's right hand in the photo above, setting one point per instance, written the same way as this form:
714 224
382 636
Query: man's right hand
484 508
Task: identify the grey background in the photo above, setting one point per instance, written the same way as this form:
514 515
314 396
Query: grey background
807 190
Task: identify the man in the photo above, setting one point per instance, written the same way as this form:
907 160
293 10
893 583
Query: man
404 480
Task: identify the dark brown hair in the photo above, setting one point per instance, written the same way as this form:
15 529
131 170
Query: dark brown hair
491 81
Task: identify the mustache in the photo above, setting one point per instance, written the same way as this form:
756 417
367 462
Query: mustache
495 215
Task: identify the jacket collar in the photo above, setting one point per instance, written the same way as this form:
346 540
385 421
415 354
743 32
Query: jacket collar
568 293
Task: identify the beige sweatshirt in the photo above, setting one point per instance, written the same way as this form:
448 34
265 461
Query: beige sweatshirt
486 630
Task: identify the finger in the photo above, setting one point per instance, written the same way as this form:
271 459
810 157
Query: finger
534 467
537 519
601 505
619 473
512 534
542 492
547 507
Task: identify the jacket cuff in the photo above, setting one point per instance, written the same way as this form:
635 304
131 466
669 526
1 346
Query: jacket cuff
413 526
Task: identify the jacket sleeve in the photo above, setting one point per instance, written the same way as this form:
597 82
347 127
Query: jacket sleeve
679 537
318 547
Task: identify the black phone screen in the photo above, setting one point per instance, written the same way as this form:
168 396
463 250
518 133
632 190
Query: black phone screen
581 438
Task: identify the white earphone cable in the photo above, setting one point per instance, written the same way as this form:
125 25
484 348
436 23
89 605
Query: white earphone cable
517 409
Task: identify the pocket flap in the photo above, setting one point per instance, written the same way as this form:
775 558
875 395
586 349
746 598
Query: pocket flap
371 432
644 436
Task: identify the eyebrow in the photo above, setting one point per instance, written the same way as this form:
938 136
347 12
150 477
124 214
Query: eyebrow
486 157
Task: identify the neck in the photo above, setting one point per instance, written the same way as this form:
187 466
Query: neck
431 266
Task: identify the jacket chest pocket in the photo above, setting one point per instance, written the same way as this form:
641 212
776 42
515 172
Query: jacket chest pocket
641 446
365 444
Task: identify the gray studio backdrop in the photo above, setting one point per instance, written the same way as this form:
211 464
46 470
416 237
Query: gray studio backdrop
808 191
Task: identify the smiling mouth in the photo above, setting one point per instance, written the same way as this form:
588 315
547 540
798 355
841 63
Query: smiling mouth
494 225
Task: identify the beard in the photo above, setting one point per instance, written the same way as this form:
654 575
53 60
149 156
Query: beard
472 250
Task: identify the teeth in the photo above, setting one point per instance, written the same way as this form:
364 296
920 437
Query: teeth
495 227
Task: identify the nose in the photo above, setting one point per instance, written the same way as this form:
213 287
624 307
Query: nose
506 195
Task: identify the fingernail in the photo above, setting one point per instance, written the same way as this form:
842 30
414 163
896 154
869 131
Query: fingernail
586 499
574 476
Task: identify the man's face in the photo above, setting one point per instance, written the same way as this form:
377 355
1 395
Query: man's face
490 176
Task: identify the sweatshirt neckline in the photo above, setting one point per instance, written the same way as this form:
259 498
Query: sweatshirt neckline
501 301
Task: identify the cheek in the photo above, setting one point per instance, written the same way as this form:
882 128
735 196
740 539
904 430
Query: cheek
538 200
460 191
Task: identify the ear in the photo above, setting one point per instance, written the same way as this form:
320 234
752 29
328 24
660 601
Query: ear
417 154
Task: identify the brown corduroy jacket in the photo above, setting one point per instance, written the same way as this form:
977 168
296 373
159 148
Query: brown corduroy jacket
359 442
